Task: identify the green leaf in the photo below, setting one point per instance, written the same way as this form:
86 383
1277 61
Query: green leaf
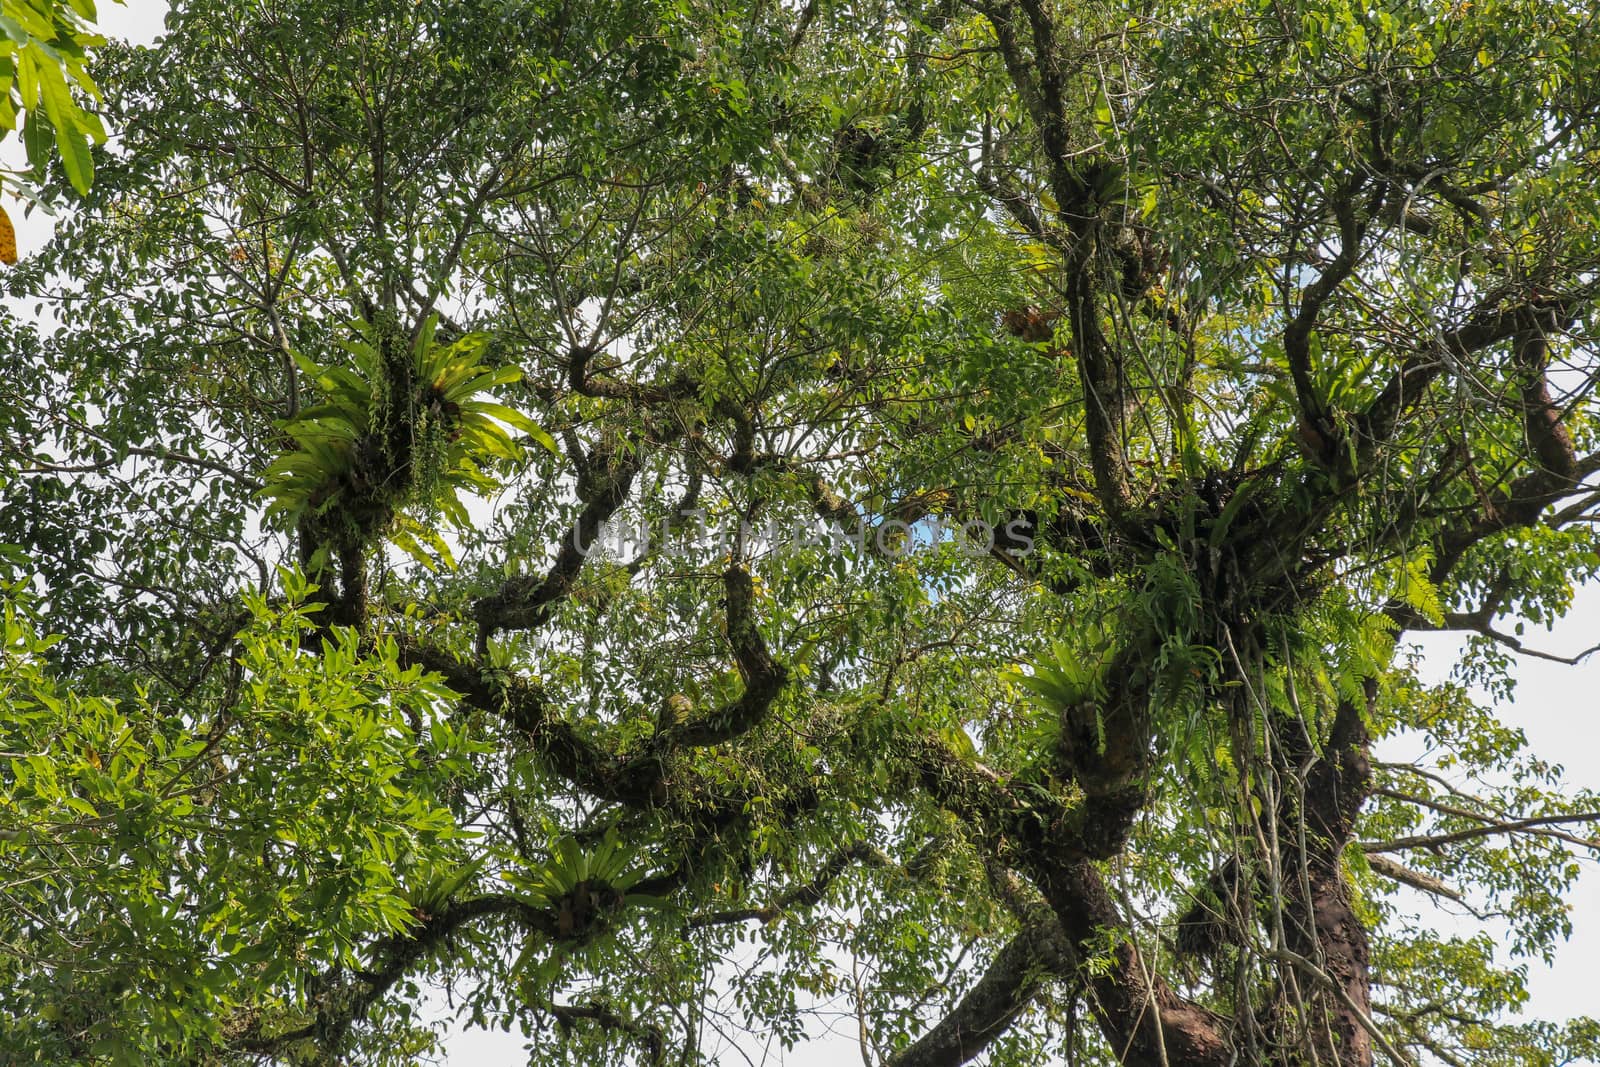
70 139
38 138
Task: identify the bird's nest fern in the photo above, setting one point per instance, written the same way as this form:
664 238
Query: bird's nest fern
400 432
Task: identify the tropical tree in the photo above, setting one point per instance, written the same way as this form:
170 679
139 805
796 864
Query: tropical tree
663 524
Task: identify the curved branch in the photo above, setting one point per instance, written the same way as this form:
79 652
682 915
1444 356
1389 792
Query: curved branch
1317 426
347 1001
602 1015
585 384
1426 883
802 896
1509 826
764 677
1488 325
526 602
1466 813
1017 974
523 705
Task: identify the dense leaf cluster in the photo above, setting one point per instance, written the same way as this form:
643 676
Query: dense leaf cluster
1038 426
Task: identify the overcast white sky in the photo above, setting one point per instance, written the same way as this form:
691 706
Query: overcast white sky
1556 705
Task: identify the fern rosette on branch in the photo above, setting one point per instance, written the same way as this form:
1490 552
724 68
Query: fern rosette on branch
401 432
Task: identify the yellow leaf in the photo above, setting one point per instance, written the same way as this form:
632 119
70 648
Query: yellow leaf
8 238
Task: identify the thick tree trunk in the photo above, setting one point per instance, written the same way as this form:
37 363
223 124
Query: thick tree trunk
1144 1020
1321 925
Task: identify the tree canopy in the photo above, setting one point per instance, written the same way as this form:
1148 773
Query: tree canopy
666 521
